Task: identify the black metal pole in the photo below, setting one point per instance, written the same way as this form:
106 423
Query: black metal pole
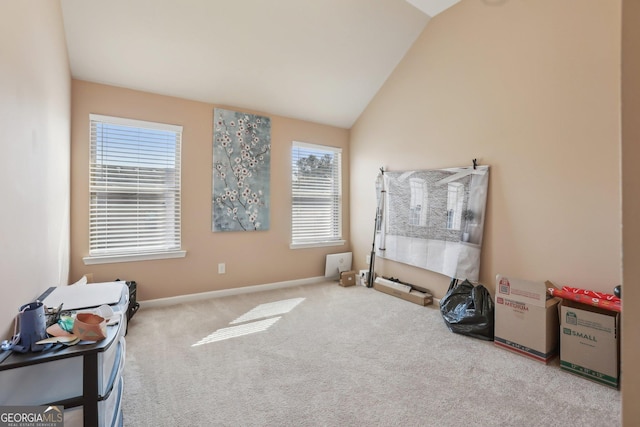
372 256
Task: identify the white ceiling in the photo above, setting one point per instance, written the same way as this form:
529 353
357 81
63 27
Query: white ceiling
316 60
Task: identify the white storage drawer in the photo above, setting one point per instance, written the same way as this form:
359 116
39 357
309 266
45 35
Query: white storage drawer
42 383
60 379
109 410
110 365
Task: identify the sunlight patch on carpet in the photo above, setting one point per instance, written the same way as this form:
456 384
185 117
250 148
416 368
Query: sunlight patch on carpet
268 310
238 331
265 311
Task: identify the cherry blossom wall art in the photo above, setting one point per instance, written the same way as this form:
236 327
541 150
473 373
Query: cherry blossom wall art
241 171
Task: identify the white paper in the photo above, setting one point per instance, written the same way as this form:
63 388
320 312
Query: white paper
74 297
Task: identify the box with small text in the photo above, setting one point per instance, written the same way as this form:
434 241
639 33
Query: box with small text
589 342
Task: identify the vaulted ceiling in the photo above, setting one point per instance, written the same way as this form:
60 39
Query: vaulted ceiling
316 60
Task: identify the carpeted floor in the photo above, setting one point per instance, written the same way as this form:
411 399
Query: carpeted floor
339 357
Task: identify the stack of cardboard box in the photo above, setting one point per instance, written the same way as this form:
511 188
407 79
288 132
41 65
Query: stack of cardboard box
530 322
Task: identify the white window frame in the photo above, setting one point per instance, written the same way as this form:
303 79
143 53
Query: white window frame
334 219
125 179
418 205
455 201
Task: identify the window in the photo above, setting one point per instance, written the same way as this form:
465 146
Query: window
134 187
455 201
316 187
418 202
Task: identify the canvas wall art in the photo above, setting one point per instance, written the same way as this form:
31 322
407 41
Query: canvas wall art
241 171
434 219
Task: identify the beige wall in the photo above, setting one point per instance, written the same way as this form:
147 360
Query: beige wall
530 88
631 209
251 257
35 87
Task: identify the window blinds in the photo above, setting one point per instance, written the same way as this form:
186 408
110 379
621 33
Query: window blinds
134 186
316 215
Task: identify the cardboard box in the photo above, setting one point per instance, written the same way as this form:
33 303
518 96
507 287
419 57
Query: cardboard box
589 342
402 291
526 321
347 278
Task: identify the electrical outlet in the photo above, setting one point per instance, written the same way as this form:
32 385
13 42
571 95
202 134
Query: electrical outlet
221 268
368 259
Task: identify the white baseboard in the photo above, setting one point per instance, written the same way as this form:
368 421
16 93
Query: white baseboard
162 302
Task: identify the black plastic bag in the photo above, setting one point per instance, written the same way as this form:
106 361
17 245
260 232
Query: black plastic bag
468 310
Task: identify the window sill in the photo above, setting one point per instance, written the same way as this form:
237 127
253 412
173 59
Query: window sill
316 244
108 259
